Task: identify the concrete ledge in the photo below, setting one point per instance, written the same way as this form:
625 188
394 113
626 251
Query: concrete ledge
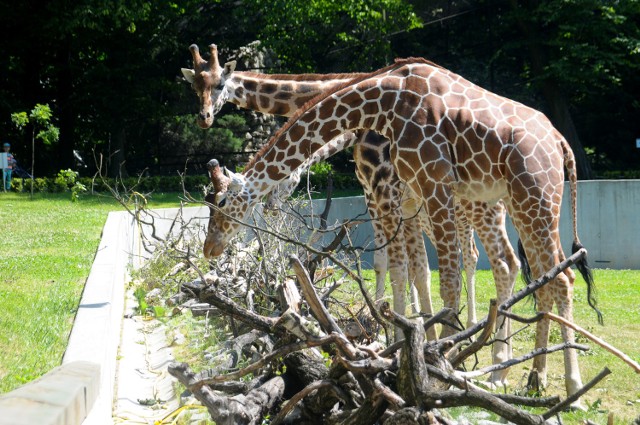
97 327
63 396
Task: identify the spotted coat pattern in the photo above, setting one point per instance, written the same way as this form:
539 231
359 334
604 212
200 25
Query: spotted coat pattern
390 203
449 138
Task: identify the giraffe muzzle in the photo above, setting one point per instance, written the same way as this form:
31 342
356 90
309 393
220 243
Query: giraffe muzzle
205 119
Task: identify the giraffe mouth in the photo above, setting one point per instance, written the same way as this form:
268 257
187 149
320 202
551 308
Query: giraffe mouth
212 250
205 120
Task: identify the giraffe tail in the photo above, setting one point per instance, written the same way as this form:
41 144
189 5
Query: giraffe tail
582 265
525 269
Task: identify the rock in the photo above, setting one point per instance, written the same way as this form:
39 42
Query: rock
153 295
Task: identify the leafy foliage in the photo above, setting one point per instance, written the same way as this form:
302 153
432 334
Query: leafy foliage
110 70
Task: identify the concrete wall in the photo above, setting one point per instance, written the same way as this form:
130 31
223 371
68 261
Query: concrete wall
608 224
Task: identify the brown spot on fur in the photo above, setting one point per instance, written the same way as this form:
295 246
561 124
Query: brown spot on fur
292 163
354 116
411 136
297 131
372 93
251 85
416 84
352 98
264 102
280 109
274 172
269 88
283 95
340 111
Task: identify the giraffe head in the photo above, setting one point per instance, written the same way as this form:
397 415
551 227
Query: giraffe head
208 80
228 206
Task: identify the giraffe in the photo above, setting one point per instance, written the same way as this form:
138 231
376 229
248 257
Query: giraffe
449 138
280 94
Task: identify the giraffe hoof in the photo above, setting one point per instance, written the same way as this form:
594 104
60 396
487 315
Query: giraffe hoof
577 406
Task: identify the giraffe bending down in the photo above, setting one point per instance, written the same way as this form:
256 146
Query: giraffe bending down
393 228
449 138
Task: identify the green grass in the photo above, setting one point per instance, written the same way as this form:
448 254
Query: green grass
619 300
48 245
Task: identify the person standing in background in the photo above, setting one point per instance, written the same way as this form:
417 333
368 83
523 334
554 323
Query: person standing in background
6 171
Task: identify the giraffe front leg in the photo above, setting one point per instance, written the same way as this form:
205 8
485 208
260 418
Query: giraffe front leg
489 222
380 260
469 259
418 268
397 260
441 209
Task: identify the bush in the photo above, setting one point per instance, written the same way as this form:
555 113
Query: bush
17 185
40 185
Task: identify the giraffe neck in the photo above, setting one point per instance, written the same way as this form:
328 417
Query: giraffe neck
385 101
279 94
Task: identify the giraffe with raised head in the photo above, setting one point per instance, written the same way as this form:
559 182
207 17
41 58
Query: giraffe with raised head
384 191
449 138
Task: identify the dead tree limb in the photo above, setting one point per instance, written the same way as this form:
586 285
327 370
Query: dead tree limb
413 377
318 310
488 401
476 345
610 348
463 384
293 401
436 318
546 278
212 296
248 409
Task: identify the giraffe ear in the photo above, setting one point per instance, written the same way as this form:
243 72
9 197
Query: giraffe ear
236 180
229 67
188 74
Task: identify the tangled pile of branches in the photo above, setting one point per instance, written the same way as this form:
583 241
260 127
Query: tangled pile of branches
300 354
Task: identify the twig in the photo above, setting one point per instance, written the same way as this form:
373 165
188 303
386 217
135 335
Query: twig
610 348
566 402
561 320
523 358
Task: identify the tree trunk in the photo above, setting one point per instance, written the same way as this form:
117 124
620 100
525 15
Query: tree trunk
66 111
561 117
559 112
116 162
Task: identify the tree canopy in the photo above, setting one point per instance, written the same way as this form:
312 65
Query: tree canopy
110 70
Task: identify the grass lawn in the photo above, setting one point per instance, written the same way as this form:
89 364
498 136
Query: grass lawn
48 245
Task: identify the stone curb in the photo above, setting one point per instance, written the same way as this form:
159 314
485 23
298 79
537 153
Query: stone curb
64 396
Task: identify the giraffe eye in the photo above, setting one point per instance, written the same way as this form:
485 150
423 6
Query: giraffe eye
221 200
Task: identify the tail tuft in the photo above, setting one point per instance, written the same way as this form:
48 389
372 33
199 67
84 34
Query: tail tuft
525 268
587 275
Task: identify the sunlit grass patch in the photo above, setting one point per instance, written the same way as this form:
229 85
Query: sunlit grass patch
48 246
